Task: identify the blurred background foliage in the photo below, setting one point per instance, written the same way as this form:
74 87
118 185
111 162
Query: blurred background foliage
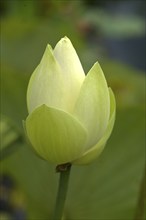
112 32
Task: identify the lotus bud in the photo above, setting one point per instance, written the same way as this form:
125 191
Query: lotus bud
71 116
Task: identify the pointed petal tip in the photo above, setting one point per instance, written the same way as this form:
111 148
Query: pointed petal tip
48 54
96 68
49 47
96 65
65 39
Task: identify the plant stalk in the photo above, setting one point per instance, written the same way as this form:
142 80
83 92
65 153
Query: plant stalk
64 170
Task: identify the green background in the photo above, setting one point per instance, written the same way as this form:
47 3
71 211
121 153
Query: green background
107 189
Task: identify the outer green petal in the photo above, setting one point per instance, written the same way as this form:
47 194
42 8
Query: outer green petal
55 135
95 151
46 84
72 70
93 105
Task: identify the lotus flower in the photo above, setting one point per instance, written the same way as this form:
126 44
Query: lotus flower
71 116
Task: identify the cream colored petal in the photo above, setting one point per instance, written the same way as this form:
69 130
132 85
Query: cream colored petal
55 135
72 70
96 150
93 105
46 84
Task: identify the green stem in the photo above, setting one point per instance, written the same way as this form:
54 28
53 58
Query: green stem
64 170
141 200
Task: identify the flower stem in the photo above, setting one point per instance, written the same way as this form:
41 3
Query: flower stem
64 170
142 199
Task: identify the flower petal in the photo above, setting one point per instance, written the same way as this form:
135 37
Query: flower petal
46 84
93 105
95 151
55 135
72 70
